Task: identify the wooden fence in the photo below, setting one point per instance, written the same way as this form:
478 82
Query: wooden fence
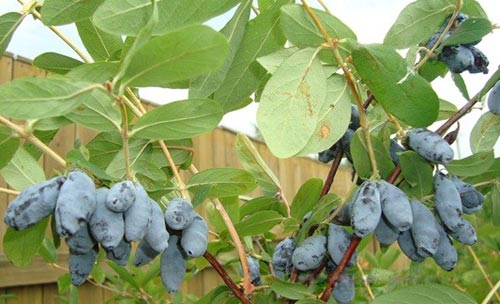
36 282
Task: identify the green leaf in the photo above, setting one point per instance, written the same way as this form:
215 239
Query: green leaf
309 301
116 168
101 46
400 91
123 274
258 223
150 175
472 29
473 165
417 22
185 53
97 113
491 173
179 13
98 72
432 293
44 136
28 98
56 63
104 147
301 31
21 246
48 250
63 283
262 36
417 172
232 206
22 171
260 204
306 198
291 102
253 163
8 145
8 25
485 133
76 157
223 181
361 158
460 84
203 86
334 117
115 16
320 211
180 119
446 109
495 200
289 290
52 123
58 12
273 61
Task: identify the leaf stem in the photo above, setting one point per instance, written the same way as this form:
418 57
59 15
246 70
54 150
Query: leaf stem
136 100
248 288
491 293
9 191
363 121
132 107
225 277
483 272
63 37
34 140
124 132
365 281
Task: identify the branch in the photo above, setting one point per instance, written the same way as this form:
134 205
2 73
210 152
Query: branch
124 133
34 140
331 174
340 268
168 156
225 277
9 191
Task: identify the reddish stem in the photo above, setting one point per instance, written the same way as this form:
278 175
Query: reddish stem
225 277
340 268
331 174
316 271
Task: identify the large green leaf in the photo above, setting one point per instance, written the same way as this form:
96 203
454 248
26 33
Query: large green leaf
417 172
8 25
8 145
258 223
28 98
471 165
58 12
262 36
431 293
401 91
289 290
21 246
319 213
56 63
291 103
203 86
22 171
485 133
116 168
334 117
98 72
180 119
446 109
97 113
301 31
104 147
306 198
472 29
417 22
273 61
260 204
253 163
101 46
361 159
223 181
177 55
128 17
495 198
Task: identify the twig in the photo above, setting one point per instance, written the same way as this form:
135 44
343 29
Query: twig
124 132
225 277
9 191
483 272
331 174
325 7
248 287
365 281
285 201
136 100
63 37
256 10
132 107
316 271
491 293
34 140
340 268
168 156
